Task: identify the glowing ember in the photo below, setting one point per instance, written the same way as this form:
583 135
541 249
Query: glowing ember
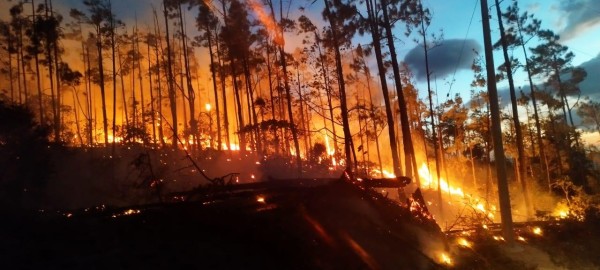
131 212
127 212
537 230
498 238
521 238
445 258
464 242
260 199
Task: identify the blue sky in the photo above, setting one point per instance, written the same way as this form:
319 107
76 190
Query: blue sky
577 21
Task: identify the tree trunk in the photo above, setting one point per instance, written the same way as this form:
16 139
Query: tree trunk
538 128
102 90
215 91
37 67
504 198
190 88
342 88
170 77
57 115
382 71
152 109
522 175
409 152
432 115
113 46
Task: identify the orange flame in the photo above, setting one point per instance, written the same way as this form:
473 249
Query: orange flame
267 21
428 180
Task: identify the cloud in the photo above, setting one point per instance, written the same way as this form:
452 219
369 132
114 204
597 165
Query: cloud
591 85
444 59
580 16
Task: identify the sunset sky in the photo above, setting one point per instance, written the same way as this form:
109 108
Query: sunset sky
577 21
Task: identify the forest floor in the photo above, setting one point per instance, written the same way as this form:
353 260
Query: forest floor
331 226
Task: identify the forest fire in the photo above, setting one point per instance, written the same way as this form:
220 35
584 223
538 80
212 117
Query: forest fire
431 182
214 114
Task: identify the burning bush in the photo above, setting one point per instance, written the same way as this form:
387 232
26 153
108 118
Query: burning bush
576 202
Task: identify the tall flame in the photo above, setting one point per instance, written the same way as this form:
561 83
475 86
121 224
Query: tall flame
267 21
427 180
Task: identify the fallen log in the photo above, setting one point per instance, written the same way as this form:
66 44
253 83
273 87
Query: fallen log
273 183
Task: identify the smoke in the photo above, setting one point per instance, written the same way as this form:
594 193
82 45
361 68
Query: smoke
446 58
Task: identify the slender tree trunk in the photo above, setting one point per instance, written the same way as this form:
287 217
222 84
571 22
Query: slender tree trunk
272 97
124 114
304 123
51 74
19 65
89 101
10 73
224 93
113 46
159 103
504 198
215 91
75 103
37 66
140 79
238 103
152 109
374 28
374 126
256 143
39 86
473 175
432 115
190 89
326 83
57 115
342 87
102 89
286 85
522 173
409 152
538 128
23 62
170 77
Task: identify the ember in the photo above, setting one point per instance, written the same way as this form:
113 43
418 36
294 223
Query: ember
127 212
444 258
464 242
260 199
